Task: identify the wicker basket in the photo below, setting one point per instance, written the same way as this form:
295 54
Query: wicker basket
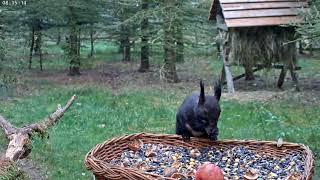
98 157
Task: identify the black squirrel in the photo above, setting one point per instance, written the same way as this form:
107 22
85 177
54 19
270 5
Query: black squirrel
199 114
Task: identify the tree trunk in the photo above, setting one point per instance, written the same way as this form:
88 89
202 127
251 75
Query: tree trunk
59 37
121 44
79 41
122 37
127 49
180 46
92 41
144 63
300 47
311 49
179 37
168 45
73 53
196 36
125 44
2 41
38 44
31 48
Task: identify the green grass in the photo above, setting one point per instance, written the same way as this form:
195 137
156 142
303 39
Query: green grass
135 110
81 128
55 58
310 65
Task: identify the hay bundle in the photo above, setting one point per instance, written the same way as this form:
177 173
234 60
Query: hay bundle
262 45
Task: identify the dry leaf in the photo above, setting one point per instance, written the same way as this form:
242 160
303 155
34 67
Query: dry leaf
251 174
191 173
126 162
178 176
168 171
177 165
135 145
144 166
294 176
194 153
150 153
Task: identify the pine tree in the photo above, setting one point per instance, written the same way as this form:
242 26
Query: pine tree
311 30
144 62
79 13
73 49
179 33
2 37
168 44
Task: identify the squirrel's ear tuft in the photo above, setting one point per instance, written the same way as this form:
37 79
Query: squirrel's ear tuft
202 96
217 90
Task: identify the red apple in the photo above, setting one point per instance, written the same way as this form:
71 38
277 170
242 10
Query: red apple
209 171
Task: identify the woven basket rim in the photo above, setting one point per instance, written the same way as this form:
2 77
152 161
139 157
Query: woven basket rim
100 167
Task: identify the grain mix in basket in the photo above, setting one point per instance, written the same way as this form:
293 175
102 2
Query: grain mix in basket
150 156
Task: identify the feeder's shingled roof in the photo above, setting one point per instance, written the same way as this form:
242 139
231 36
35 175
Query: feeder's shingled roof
246 13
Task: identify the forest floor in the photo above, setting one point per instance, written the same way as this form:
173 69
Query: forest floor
117 75
114 99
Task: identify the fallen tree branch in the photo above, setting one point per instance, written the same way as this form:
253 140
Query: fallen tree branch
20 144
49 121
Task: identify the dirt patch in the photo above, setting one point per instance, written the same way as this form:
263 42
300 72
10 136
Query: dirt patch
21 169
32 170
244 96
264 89
119 75
29 168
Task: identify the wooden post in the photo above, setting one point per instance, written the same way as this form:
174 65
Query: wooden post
294 76
226 66
282 76
293 73
223 39
222 78
295 79
223 75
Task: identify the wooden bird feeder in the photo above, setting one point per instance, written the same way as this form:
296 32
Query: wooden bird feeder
258 34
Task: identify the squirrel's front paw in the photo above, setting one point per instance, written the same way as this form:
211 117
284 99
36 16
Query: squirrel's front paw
185 137
213 136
